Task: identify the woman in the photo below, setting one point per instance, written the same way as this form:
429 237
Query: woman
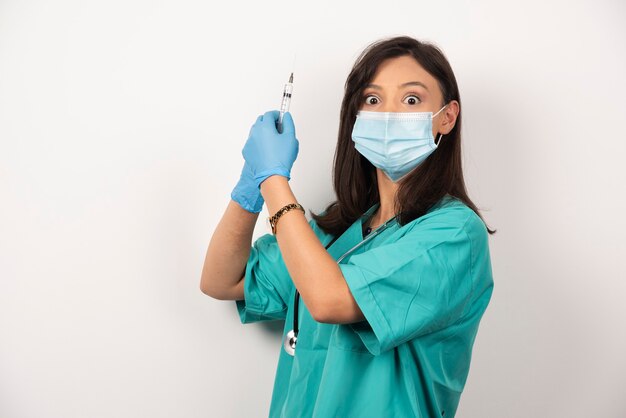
393 277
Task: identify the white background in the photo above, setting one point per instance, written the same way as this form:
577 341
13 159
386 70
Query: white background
121 128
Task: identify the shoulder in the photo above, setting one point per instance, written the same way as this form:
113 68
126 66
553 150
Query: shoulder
454 229
453 215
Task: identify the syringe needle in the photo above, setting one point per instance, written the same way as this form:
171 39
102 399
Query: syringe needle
291 78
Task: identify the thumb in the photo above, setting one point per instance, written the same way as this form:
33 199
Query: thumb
289 127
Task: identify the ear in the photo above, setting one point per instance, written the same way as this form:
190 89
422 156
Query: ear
448 117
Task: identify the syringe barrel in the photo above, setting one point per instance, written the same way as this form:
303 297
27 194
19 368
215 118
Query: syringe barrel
284 105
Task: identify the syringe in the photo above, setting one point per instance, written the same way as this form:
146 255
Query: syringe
284 105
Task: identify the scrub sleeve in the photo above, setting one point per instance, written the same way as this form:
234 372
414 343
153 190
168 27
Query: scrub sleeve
267 284
416 285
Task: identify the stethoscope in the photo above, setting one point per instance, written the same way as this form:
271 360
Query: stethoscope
292 336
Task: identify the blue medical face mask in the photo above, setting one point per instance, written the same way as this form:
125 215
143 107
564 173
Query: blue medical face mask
395 142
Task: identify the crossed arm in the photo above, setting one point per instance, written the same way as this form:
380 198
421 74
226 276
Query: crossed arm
314 272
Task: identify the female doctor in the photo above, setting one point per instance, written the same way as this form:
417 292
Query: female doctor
382 293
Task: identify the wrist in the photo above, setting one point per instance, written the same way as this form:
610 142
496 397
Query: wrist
251 202
276 193
273 181
272 221
262 176
247 195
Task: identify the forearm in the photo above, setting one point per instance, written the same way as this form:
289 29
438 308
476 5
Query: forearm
229 250
313 271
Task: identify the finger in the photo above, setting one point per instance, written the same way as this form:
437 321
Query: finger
271 116
288 125
259 119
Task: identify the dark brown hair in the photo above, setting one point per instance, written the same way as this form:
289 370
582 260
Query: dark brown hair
354 177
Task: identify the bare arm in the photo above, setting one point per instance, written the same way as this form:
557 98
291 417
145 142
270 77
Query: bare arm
314 272
228 253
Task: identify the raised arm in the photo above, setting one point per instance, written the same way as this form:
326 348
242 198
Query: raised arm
228 252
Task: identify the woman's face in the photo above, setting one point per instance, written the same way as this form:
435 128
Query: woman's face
402 85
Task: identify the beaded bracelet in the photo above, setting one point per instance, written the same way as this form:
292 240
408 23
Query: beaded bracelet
274 219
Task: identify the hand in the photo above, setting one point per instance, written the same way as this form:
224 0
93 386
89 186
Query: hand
268 152
246 193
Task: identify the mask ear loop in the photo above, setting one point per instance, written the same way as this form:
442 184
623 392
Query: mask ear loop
440 134
439 111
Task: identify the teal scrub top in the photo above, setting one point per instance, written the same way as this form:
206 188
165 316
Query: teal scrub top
422 288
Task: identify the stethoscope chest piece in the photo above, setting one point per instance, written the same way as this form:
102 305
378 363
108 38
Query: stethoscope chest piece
290 342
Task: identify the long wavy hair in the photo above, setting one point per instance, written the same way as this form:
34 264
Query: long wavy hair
354 177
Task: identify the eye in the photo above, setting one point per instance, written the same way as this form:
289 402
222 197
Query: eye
413 99
371 102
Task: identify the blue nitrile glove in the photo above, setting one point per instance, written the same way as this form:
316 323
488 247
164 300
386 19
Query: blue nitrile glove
268 152
246 192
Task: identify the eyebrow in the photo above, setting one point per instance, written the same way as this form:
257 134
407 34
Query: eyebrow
410 83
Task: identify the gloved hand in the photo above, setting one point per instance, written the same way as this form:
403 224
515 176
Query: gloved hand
246 192
268 152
